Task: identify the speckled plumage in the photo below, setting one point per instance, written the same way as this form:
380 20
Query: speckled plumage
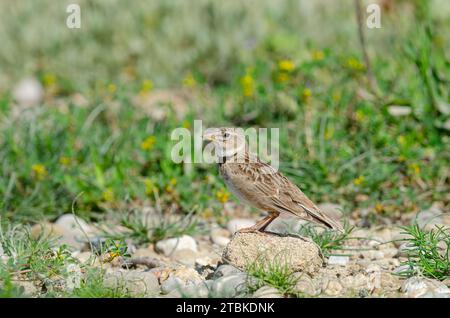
260 185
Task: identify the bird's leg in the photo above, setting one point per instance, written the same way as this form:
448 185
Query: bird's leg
261 225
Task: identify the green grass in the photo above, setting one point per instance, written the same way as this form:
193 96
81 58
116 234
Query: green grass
328 240
428 252
276 273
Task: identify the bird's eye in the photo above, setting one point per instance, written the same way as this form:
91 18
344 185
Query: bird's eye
226 135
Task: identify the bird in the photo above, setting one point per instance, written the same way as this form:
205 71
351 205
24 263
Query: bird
260 185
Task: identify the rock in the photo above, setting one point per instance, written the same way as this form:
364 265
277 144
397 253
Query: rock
355 282
417 287
185 257
145 252
237 224
74 276
74 230
333 288
170 246
206 262
28 92
201 290
230 286
135 282
402 269
305 285
398 111
46 229
389 252
27 287
267 292
405 249
338 260
332 209
226 270
429 218
179 278
220 237
373 268
297 253
389 282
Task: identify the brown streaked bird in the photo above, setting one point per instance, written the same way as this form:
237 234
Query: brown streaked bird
259 184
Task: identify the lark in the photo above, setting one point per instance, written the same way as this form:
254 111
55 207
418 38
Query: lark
259 184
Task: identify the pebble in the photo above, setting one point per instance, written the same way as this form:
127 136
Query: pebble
135 282
74 230
169 246
220 237
338 260
427 219
237 224
226 270
28 92
185 257
230 286
417 287
179 278
398 111
333 288
305 285
267 292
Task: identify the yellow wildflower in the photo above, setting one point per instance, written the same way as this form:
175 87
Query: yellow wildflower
189 81
414 168
112 88
354 64
379 208
282 77
286 65
149 186
39 171
306 95
358 181
222 195
147 86
65 161
173 181
148 143
49 79
317 55
108 195
247 85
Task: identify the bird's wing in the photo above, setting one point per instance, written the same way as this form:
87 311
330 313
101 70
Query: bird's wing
269 190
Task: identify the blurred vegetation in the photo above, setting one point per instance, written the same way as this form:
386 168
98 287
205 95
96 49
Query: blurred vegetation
103 131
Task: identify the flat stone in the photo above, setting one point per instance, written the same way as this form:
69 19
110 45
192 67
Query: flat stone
267 292
136 283
230 286
169 246
179 278
297 253
417 287
226 270
338 260
220 237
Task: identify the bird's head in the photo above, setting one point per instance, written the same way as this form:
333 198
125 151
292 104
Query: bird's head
227 141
